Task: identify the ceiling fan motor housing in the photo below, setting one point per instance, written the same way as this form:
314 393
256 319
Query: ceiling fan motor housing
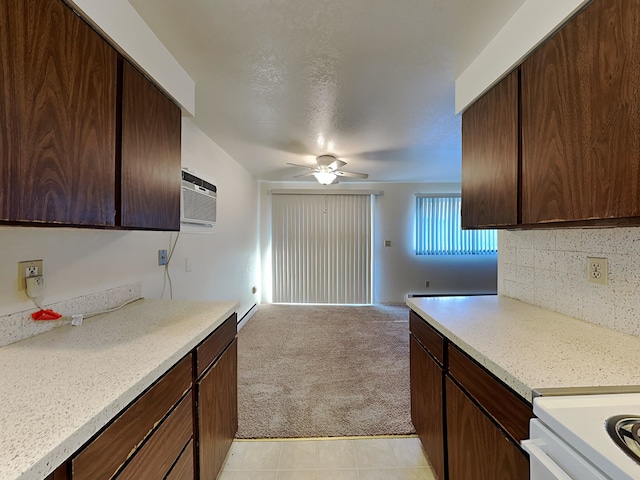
330 162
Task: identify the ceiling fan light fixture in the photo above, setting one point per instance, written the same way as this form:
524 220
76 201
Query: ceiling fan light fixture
325 178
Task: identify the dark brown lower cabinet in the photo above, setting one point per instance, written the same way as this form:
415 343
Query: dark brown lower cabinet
156 457
427 398
477 449
60 473
469 423
217 400
184 466
135 428
173 428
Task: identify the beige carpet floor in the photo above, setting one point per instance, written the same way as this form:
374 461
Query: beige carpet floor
323 371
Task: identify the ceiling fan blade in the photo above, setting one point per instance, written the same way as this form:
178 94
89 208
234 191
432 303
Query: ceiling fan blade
337 164
335 180
303 175
302 166
350 174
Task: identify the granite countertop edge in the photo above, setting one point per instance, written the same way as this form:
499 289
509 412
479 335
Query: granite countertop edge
532 350
173 328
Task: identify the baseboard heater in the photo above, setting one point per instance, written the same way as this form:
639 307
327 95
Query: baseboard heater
457 294
248 314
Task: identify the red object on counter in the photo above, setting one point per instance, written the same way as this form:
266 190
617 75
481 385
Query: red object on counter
45 315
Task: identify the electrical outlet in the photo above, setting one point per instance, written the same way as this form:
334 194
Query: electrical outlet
30 268
598 270
387 243
426 284
162 257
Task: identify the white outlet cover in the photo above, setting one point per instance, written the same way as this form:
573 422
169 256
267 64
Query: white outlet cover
598 270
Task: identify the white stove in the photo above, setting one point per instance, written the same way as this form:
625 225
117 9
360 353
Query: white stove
570 438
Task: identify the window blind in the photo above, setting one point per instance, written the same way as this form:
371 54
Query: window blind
439 231
321 248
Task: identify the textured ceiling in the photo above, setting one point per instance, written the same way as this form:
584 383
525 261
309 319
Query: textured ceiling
370 80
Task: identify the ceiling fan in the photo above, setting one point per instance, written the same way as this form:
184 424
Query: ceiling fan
326 171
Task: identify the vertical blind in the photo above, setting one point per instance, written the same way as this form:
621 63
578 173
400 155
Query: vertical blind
439 231
321 248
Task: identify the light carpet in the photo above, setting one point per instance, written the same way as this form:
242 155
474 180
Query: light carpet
324 371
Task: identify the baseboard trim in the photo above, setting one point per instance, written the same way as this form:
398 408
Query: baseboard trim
248 314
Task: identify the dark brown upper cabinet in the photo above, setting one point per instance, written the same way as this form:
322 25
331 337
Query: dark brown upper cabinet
150 163
490 157
581 119
57 117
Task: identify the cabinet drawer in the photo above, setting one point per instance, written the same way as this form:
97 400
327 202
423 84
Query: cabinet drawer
183 468
508 409
427 336
477 449
103 456
157 455
214 344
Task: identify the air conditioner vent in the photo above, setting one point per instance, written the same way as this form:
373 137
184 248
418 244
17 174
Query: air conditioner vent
199 199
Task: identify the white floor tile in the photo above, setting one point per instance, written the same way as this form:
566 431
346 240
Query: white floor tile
336 454
374 453
235 457
297 475
338 474
408 452
255 475
262 456
299 455
384 458
421 473
378 474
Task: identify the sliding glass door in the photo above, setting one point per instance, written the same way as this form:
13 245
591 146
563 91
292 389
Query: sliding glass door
321 248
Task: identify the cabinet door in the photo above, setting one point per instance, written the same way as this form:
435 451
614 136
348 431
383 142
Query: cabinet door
57 117
490 157
476 448
150 163
217 412
426 380
581 118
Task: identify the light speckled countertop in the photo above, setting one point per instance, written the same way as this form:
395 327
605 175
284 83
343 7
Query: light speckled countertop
59 388
530 348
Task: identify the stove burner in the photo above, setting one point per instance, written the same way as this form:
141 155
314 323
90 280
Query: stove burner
625 431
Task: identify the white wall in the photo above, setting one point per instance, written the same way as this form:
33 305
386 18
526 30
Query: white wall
528 27
548 268
397 270
400 271
224 265
82 261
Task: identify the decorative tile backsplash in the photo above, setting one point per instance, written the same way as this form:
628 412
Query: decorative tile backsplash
19 326
548 268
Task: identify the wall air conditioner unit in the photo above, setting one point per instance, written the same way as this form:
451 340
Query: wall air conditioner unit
198 202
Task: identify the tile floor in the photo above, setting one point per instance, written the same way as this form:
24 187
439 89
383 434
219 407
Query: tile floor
369 458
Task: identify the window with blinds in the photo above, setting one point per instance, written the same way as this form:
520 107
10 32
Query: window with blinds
439 231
